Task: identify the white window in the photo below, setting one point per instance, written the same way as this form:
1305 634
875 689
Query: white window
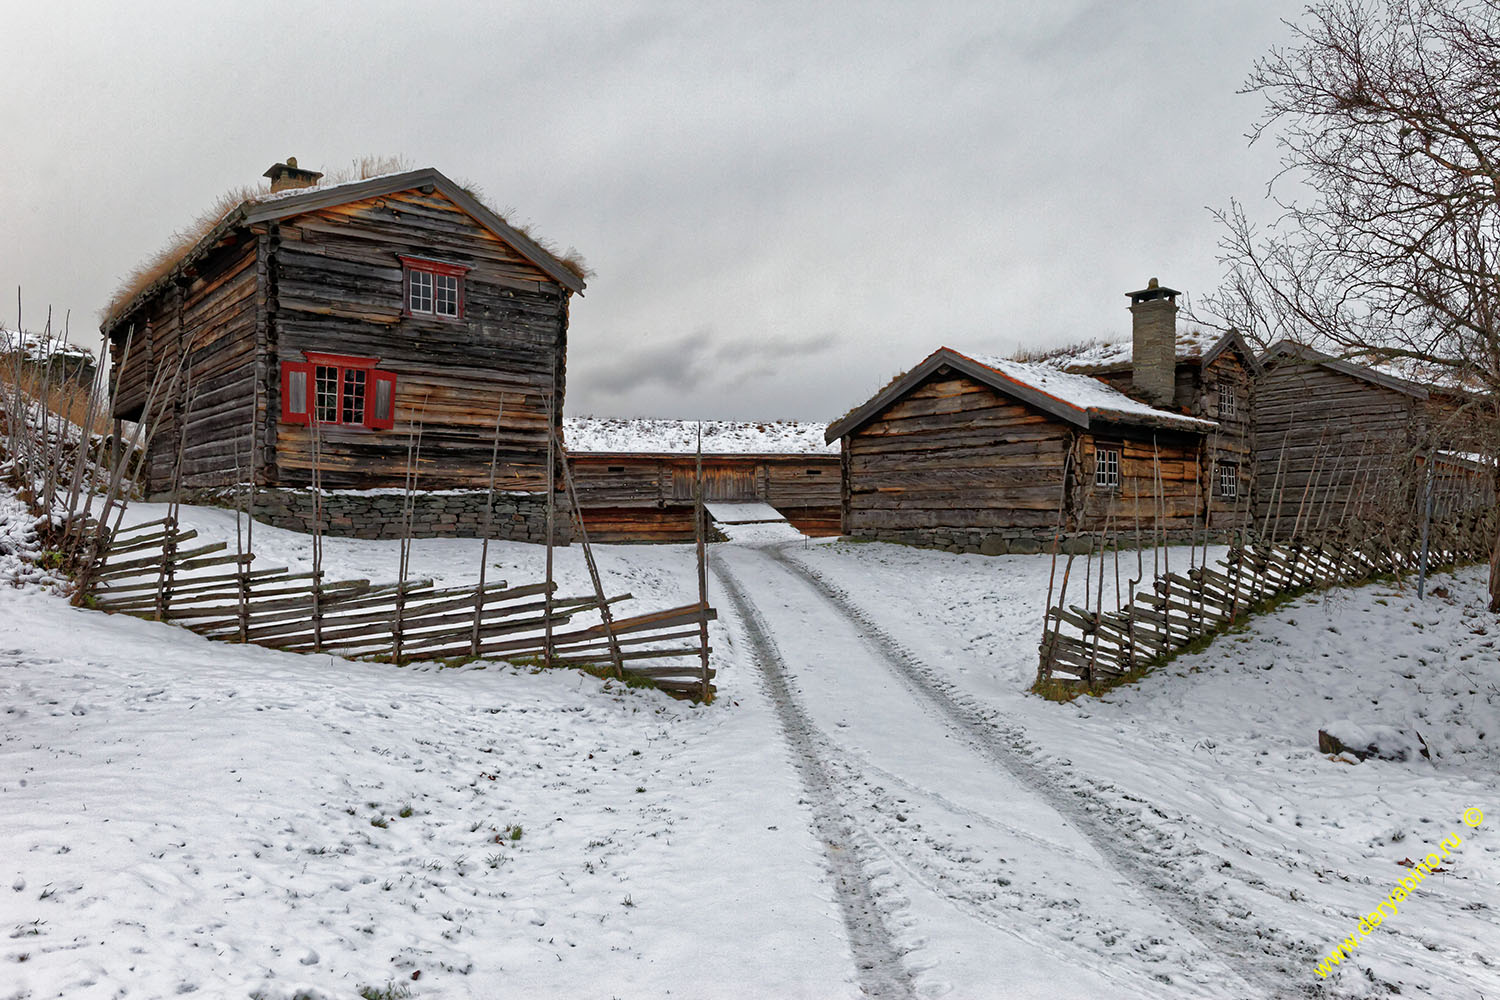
1107 468
1229 481
446 297
433 288
1226 401
419 297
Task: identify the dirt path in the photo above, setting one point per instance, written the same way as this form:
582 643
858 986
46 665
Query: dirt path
1129 845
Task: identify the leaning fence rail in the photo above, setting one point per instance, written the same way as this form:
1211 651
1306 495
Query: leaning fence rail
1087 647
159 571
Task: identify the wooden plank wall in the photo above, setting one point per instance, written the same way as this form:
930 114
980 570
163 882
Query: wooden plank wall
219 387
1176 456
1233 443
954 454
1329 437
338 289
649 497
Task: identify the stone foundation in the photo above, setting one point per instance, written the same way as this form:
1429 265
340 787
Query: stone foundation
377 514
1014 541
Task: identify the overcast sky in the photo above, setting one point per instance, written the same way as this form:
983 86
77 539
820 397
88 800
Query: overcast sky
784 204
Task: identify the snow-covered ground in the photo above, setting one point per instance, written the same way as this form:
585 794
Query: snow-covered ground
680 437
873 802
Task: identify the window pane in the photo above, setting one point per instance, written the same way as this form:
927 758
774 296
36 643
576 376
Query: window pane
447 294
354 395
383 399
327 395
296 384
419 298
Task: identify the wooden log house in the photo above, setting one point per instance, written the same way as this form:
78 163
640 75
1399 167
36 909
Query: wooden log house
1337 440
343 320
982 454
635 478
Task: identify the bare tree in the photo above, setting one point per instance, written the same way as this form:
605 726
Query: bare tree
1387 233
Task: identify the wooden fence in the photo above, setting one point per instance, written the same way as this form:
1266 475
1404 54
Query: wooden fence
161 572
1088 646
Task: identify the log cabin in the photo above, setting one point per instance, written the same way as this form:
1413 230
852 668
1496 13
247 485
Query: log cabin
358 323
1337 440
635 478
980 454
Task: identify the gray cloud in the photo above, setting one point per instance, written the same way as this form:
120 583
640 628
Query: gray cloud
984 174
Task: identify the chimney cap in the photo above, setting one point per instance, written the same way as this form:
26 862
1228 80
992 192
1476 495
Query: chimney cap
288 174
1153 290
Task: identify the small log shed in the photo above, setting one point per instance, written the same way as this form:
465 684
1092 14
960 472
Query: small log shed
975 453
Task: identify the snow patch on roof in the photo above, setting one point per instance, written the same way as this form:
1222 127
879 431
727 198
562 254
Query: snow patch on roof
1084 392
720 437
1192 342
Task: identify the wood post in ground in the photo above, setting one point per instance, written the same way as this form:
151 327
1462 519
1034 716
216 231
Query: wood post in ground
588 558
702 566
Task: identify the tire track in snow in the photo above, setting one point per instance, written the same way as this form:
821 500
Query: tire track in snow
877 959
1103 825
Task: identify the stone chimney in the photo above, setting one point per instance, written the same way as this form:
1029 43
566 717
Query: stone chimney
289 175
1153 358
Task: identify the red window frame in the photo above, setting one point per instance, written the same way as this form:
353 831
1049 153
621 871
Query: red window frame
299 390
436 268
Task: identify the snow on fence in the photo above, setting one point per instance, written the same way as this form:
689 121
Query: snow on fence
1084 647
157 571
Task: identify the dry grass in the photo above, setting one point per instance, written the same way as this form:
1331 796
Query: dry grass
70 398
159 264
1039 354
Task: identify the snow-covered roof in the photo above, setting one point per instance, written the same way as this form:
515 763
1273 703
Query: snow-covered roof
1192 343
1085 392
656 436
1077 399
37 347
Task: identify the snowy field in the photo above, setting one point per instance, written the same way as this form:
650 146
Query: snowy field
873 805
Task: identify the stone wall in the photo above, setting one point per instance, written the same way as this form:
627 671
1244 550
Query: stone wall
1011 541
360 514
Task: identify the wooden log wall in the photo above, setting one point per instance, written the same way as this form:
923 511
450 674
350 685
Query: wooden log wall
1160 483
1319 432
1233 443
338 289
203 420
649 497
954 454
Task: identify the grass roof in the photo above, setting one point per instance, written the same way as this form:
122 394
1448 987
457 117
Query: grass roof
184 240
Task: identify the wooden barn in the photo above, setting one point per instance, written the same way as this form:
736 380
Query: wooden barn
973 453
635 478
1336 439
340 320
1200 373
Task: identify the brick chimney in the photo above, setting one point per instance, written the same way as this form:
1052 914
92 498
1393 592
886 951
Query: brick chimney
289 175
1153 358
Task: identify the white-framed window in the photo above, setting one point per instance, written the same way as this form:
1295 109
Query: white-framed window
1107 468
1229 481
432 288
1227 405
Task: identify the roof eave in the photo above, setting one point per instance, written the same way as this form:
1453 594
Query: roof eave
235 217
1310 355
315 199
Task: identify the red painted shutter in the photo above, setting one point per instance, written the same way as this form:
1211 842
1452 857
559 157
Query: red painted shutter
296 391
380 401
